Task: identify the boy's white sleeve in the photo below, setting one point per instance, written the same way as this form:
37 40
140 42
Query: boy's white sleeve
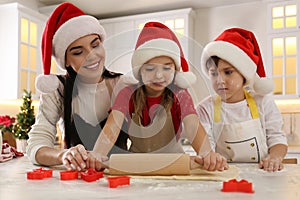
43 132
273 122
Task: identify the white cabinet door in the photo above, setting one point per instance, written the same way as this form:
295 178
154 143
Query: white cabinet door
122 34
20 39
119 45
295 129
291 126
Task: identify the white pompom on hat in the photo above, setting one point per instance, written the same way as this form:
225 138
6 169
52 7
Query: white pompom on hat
156 40
240 48
66 24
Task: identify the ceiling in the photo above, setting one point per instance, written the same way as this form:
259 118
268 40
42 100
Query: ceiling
115 8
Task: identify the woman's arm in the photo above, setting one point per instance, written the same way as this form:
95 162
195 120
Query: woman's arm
44 130
109 133
49 156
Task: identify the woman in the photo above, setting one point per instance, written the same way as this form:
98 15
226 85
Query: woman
81 98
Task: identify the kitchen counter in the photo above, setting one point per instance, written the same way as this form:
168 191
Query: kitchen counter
14 186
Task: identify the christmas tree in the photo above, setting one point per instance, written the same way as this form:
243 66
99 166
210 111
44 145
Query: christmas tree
25 118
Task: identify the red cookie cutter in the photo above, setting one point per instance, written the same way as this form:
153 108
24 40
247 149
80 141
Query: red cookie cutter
38 174
68 175
91 175
117 181
237 186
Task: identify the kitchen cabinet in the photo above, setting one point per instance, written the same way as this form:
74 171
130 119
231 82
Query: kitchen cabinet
20 39
122 33
291 126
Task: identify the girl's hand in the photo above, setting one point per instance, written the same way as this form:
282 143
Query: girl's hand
212 162
271 164
75 158
95 161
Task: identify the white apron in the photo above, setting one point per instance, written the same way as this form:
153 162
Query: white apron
158 137
243 141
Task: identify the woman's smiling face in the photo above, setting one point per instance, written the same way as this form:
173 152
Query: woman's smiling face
86 56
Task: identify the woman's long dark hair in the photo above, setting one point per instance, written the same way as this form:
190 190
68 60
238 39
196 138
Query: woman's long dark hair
69 94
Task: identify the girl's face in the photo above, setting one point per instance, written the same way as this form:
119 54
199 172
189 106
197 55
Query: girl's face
157 74
86 56
227 81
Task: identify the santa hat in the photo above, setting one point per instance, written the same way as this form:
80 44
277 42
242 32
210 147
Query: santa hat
240 48
155 40
66 24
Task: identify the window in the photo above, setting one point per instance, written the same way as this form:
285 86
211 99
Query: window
284 16
284 56
28 55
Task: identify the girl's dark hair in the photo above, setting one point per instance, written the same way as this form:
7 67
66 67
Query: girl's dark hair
69 94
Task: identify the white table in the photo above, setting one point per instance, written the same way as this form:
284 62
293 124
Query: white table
284 185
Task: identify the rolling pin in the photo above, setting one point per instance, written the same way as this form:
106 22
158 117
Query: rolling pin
149 164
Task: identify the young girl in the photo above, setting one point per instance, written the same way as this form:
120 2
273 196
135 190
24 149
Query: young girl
81 98
157 106
244 124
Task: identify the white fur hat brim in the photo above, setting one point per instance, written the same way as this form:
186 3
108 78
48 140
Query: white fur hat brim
232 54
240 60
72 30
154 48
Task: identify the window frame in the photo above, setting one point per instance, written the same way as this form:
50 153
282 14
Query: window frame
284 33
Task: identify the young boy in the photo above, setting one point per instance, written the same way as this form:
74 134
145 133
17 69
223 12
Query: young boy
244 123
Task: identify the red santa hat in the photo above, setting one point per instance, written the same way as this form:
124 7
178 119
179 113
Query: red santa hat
66 24
155 40
240 48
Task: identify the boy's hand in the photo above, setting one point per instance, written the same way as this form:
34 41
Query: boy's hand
271 164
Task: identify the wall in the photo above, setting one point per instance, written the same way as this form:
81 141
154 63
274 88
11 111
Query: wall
252 16
12 107
211 22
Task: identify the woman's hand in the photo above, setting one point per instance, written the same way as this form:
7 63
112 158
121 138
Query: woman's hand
212 162
78 158
75 158
271 164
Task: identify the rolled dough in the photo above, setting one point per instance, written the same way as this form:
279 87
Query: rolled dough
198 174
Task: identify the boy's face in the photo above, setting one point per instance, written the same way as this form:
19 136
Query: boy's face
157 74
227 81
